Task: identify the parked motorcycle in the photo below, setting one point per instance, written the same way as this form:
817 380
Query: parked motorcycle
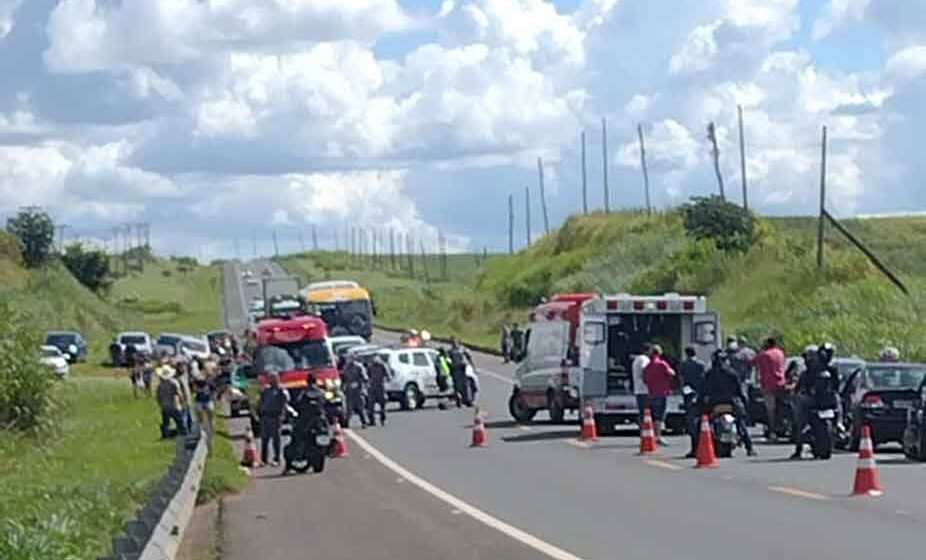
821 431
309 445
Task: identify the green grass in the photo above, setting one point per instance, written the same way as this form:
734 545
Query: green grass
775 287
66 495
167 299
223 474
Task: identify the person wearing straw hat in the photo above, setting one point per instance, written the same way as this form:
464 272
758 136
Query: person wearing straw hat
170 399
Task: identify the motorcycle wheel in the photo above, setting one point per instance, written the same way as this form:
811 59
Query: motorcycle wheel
301 466
724 450
823 440
318 463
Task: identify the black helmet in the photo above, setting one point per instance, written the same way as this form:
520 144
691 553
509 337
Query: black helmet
827 351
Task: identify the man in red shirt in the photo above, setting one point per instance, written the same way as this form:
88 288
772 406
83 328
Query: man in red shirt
771 365
658 376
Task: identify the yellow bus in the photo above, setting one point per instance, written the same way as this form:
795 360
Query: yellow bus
345 307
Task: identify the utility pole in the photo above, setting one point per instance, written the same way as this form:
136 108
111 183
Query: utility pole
649 205
543 197
715 151
604 160
442 247
739 114
314 237
584 179
61 229
410 252
821 226
391 248
254 243
424 262
527 213
301 242
276 246
510 224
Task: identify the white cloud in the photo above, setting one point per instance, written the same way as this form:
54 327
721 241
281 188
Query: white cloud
837 14
7 11
907 64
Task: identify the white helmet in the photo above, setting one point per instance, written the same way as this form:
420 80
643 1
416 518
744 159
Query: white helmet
426 336
890 354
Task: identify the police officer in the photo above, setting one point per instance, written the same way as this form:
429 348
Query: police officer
355 379
459 359
270 407
444 375
722 386
379 373
693 372
817 387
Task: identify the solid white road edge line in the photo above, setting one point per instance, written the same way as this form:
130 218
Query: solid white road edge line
498 376
523 537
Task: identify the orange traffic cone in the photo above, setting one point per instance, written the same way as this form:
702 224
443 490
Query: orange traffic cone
589 430
249 457
647 433
867 478
707 458
340 443
480 435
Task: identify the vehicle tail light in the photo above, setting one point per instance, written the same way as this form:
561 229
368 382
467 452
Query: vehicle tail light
612 304
688 305
872 401
639 305
662 305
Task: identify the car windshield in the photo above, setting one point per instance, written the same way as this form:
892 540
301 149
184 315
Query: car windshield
194 346
168 340
893 377
51 353
60 339
303 354
133 339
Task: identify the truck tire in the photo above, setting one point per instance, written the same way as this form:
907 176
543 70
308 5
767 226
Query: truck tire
519 410
555 407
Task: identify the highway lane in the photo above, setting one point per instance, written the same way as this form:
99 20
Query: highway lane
603 501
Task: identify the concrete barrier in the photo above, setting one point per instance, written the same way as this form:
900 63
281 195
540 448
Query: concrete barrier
157 529
476 347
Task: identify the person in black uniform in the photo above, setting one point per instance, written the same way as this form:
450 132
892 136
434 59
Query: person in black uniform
722 386
817 388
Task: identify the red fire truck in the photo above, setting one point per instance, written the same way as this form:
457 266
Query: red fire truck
296 347
594 340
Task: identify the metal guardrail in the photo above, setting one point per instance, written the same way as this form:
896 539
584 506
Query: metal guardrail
157 529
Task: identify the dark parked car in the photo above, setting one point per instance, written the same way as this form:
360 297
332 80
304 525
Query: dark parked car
881 395
914 438
71 343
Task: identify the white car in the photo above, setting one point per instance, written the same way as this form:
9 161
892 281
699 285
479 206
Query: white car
56 360
140 340
195 347
414 374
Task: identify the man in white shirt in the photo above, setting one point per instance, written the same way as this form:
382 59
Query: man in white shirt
640 390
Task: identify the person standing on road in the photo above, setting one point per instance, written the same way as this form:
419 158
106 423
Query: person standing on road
271 406
517 343
170 400
354 376
693 372
204 404
459 359
771 365
640 391
505 343
658 376
379 374
722 386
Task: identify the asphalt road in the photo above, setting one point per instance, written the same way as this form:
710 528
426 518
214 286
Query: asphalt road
415 490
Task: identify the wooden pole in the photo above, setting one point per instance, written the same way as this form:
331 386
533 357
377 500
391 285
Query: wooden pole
821 226
314 237
543 197
868 253
510 224
584 179
527 213
739 113
649 205
712 136
604 163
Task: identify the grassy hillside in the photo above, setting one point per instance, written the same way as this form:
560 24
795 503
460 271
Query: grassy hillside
775 287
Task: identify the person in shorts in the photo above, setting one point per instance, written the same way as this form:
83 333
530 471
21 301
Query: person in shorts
658 376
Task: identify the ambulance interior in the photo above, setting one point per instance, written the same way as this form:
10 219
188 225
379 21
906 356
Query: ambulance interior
626 336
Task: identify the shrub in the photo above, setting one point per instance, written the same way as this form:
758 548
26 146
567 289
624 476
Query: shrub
36 233
89 266
730 227
25 385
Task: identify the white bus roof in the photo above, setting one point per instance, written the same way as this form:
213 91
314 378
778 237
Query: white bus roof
331 284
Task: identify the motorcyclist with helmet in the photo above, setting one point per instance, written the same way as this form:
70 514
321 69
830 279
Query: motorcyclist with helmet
816 389
722 386
309 408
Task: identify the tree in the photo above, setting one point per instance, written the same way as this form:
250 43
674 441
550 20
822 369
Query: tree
729 226
89 266
36 233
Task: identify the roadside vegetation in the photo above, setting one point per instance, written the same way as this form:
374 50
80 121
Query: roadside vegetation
770 284
78 457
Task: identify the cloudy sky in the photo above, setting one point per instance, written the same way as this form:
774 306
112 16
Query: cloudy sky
222 120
